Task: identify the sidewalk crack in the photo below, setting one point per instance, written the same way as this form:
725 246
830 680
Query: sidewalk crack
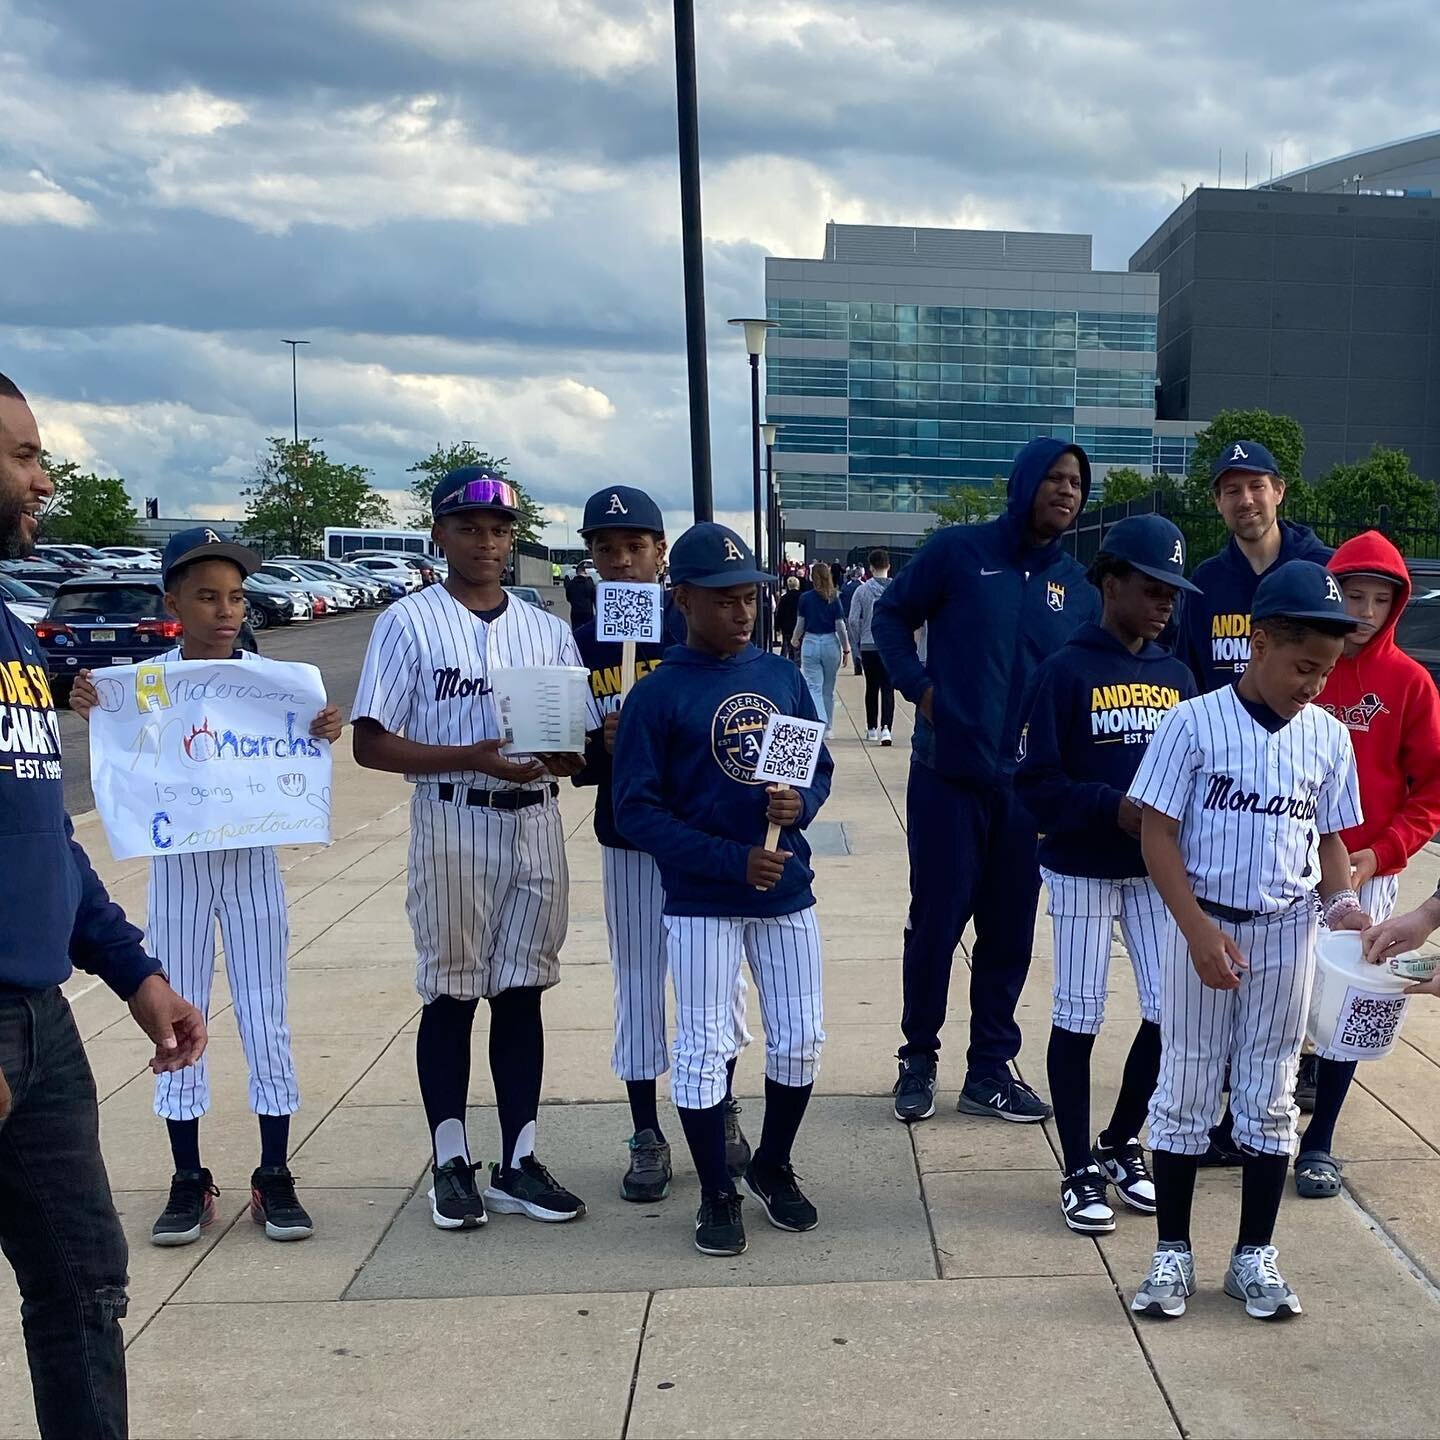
635 1373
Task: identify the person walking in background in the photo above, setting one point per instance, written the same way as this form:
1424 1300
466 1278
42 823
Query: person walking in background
854 578
580 596
821 635
787 612
879 692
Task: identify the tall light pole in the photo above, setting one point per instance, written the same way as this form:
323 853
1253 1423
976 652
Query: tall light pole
693 255
768 432
295 384
755 347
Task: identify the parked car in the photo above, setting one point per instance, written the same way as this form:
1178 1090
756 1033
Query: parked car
264 608
300 602
23 602
429 571
36 572
68 558
97 620
132 557
391 567
362 592
387 590
1417 632
530 595
336 597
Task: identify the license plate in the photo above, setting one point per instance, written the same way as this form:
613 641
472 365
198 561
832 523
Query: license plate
103 637
120 660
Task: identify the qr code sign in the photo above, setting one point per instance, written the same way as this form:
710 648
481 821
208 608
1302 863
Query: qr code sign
629 612
1370 1022
790 751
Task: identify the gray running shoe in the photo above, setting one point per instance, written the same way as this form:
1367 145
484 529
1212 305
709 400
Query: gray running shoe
737 1147
1170 1281
648 1178
1255 1278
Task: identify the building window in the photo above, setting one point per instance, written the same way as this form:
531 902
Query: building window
810 319
1173 453
788 375
799 491
1098 330
1115 387
813 434
1115 444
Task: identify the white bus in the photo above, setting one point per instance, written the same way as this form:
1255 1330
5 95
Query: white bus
341 543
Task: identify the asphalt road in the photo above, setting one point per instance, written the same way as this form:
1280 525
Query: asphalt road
336 645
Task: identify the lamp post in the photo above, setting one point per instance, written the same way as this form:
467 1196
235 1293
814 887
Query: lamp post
755 347
295 385
768 432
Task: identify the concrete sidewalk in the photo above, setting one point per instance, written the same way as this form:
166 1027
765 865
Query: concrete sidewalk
941 1295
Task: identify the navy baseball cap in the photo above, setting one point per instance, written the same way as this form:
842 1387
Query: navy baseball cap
1301 590
713 556
1152 545
621 507
203 543
474 487
1243 455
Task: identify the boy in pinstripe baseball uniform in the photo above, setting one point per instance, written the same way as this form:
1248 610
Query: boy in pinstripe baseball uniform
1245 791
625 532
204 591
488 887
685 791
1094 706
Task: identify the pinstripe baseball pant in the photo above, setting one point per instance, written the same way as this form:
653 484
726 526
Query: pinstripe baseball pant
1084 910
488 897
243 890
1257 1028
705 954
635 921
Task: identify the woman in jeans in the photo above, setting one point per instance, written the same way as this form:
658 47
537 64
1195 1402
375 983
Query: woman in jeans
820 633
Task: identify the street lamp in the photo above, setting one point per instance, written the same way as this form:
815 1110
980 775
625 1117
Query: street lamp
755 348
294 385
768 433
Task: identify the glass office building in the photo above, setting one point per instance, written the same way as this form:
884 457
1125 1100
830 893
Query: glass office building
907 362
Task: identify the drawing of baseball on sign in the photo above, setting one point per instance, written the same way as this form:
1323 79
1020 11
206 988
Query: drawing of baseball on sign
633 614
789 753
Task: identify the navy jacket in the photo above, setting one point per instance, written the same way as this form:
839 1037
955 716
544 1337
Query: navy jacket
1092 710
602 658
57 913
996 606
684 785
1214 638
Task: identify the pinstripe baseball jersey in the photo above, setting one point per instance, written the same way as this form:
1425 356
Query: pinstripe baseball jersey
1251 802
427 669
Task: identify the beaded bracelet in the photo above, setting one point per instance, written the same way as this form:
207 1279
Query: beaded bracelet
1342 902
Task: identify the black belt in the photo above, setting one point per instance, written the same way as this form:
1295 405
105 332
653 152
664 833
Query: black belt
495 799
1241 917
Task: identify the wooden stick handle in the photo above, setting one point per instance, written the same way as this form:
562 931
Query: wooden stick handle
772 837
627 668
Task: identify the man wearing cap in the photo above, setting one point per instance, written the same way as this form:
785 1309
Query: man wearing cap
996 599
580 595
488 885
1214 638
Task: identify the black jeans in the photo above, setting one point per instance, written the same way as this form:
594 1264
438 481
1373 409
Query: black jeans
58 1226
879 692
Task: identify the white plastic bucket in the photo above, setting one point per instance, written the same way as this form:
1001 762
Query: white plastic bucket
1356 1009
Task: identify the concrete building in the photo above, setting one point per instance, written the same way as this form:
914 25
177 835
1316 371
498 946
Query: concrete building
907 361
1307 298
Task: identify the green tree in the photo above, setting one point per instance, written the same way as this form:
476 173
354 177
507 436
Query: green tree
1384 477
969 504
1279 434
298 491
1124 482
88 509
444 458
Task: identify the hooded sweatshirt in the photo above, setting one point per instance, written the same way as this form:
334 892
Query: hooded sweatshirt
995 606
684 786
861 615
1390 706
1093 708
1214 636
56 912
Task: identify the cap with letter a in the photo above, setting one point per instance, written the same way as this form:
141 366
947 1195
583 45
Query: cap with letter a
1249 455
1301 590
621 507
1152 545
203 543
713 557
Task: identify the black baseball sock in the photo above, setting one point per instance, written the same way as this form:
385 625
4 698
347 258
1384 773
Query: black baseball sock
1174 1195
784 1110
184 1143
1137 1085
730 1076
644 1113
1262 1186
1067 1064
1332 1084
705 1135
442 1061
517 1062
274 1139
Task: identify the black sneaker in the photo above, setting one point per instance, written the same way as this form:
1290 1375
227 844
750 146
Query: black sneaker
1125 1168
915 1088
274 1204
530 1189
455 1204
648 1178
719 1230
190 1208
1306 1079
785 1205
1082 1201
737 1147
1222 1149
1007 1099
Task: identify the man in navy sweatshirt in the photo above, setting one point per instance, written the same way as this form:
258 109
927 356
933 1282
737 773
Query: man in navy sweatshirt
1214 638
996 598
58 1226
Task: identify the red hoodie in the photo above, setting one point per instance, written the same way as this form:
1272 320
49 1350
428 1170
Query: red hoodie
1391 707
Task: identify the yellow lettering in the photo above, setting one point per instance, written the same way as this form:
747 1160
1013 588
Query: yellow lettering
150 689
41 683
22 685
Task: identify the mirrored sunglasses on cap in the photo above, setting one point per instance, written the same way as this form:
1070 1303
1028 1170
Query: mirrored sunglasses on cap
480 492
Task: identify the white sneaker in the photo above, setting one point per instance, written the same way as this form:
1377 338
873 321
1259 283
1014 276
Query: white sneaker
1170 1281
872 736
885 735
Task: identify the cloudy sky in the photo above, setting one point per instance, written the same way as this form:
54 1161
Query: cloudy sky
470 207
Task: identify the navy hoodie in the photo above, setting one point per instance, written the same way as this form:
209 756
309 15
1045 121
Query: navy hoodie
57 913
602 658
996 606
1092 710
684 783
1214 638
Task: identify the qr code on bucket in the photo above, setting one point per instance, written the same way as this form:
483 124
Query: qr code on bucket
628 612
790 751
1371 1022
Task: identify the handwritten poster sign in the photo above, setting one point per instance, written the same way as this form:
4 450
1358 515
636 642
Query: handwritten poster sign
209 755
